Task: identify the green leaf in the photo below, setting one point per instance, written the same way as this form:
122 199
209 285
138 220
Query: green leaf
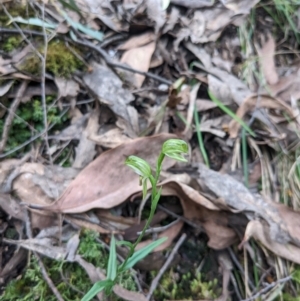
145 188
33 21
140 166
124 243
96 288
98 35
71 5
174 148
112 260
142 253
230 113
157 197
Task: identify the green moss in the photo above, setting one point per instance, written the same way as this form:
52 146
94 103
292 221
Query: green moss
60 61
32 113
187 286
11 43
15 10
31 285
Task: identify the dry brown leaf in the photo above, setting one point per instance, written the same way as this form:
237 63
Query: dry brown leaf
190 112
41 185
85 151
156 13
87 225
67 88
110 139
137 41
11 266
250 104
107 181
226 87
199 209
240 6
139 58
266 57
43 246
204 105
261 232
74 131
108 88
171 233
283 222
193 3
171 20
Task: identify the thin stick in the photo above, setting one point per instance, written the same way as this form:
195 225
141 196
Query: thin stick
268 287
11 114
119 65
43 88
155 281
187 221
40 262
159 229
48 279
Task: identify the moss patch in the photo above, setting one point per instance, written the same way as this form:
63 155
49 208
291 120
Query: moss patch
31 113
190 286
60 61
74 283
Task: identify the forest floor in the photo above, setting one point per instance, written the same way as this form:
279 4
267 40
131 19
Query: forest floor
85 84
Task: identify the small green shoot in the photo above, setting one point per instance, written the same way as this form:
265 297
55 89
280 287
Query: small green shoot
230 113
172 148
200 139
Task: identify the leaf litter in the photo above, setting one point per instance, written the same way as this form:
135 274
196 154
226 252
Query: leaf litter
154 64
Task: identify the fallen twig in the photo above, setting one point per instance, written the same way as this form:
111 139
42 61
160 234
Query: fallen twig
48 279
11 114
107 59
267 288
165 266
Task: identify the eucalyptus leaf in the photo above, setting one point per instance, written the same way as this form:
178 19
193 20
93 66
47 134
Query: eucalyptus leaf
98 35
33 21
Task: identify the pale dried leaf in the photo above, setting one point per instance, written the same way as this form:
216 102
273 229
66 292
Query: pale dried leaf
238 197
85 151
267 61
67 88
107 87
194 3
261 232
156 13
43 246
263 101
110 139
73 131
139 58
137 41
240 6
107 181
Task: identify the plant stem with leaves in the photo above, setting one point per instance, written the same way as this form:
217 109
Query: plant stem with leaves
172 148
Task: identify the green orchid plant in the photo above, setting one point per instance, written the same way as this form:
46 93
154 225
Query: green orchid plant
172 148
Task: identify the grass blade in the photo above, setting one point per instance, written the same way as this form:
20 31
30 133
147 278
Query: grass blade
142 253
112 260
96 288
200 139
230 113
